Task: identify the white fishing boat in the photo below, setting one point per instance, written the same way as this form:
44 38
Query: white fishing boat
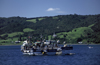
43 47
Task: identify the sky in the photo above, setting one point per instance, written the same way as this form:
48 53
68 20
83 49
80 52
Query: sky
41 8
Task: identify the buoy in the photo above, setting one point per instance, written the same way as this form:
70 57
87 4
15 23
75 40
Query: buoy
42 52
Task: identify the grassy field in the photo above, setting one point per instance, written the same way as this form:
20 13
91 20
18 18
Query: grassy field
12 34
32 20
40 19
28 30
12 37
75 33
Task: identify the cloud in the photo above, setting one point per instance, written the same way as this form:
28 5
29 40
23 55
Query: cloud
56 10
53 9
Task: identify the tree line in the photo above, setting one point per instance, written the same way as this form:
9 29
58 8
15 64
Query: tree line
52 24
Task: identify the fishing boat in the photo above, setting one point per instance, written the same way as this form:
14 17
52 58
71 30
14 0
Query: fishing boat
43 47
49 47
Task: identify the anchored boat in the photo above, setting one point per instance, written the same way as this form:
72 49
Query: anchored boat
43 48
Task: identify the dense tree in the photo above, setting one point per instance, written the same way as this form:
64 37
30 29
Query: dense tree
50 25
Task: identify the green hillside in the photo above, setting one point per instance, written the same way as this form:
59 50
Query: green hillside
70 28
76 35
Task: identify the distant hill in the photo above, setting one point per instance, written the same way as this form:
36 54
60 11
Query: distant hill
76 25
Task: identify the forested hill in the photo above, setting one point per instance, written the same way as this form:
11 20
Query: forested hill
48 25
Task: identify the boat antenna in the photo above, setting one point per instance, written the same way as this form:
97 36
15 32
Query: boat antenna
41 37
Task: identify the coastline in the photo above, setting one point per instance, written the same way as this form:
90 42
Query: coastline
67 44
83 44
10 45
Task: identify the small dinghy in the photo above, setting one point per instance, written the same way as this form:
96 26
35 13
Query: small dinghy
90 47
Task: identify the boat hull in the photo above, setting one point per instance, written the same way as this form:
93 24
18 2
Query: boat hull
67 48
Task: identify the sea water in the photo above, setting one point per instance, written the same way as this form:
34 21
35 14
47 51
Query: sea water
11 55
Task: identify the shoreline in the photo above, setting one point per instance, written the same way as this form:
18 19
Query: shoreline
67 44
10 45
83 44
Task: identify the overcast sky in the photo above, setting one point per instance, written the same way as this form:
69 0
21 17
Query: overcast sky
38 8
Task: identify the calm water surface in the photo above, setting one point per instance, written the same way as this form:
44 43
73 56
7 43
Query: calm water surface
11 55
